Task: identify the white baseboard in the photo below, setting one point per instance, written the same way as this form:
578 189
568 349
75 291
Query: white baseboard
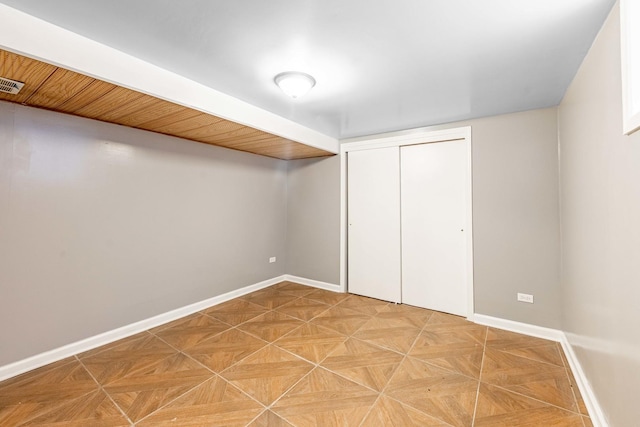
42 359
521 328
314 283
595 410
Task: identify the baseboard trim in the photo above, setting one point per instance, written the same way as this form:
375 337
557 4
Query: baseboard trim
591 402
595 411
519 327
42 359
315 283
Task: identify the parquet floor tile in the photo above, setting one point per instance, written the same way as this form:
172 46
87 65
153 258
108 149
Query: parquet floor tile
46 390
388 412
404 315
213 403
37 374
291 356
128 358
222 351
182 320
268 373
539 380
466 332
293 288
524 346
386 334
364 305
504 340
269 419
65 382
441 394
141 392
303 308
271 326
341 319
499 407
93 409
195 329
112 345
235 311
323 398
459 350
444 321
582 407
311 342
326 297
271 290
269 298
364 363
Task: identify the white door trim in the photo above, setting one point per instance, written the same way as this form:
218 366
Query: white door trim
398 139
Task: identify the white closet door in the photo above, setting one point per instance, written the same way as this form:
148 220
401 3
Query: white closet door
374 223
434 206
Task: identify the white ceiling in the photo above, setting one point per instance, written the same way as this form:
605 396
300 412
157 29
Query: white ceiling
380 65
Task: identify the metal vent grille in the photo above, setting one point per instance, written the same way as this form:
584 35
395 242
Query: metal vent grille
10 86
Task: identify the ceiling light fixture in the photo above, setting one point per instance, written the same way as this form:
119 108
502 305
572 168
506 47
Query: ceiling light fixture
295 83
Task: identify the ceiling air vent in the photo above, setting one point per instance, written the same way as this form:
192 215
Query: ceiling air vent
10 86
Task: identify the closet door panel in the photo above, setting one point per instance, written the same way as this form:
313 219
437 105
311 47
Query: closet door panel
374 223
434 258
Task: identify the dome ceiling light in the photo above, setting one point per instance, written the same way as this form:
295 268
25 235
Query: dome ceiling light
295 83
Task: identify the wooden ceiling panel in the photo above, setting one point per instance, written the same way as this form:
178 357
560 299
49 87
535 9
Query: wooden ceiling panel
248 139
163 123
190 123
235 133
107 103
61 86
260 144
287 151
256 146
292 151
203 120
28 71
202 134
58 89
228 128
124 113
148 111
91 93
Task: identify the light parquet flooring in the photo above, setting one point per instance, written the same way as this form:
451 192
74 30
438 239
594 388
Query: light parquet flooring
295 356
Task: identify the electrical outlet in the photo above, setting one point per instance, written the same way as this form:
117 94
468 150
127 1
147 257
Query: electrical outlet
272 260
525 298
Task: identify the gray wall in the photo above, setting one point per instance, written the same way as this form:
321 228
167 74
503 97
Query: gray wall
102 226
600 187
516 231
313 219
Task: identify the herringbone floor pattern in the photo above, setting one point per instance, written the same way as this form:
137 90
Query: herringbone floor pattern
292 355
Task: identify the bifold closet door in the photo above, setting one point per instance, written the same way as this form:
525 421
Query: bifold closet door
374 223
434 198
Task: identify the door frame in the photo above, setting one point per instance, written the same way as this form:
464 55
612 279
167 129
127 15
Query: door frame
399 139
